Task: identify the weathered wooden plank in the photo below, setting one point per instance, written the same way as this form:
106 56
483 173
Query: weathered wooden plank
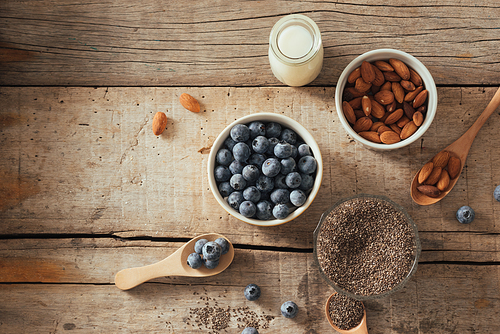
84 160
224 44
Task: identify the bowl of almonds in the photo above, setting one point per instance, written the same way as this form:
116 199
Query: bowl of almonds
386 99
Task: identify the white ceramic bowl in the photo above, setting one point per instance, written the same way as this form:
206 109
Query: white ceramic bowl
385 54
285 122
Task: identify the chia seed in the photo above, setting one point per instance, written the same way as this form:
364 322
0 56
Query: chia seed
345 312
366 246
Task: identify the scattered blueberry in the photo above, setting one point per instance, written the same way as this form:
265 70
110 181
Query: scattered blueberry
304 150
288 165
257 159
222 173
235 199
292 180
272 143
241 152
264 210
251 194
198 246
260 144
194 260
224 245
211 251
236 167
280 211
240 133
298 197
279 182
496 193
237 182
283 150
250 173
252 292
289 309
248 209
225 189
307 164
250 330
257 129
465 214
265 183
289 136
224 157
280 196
271 167
273 130
210 264
307 182
229 143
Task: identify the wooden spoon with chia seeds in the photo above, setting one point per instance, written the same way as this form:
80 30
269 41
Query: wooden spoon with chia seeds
361 328
459 149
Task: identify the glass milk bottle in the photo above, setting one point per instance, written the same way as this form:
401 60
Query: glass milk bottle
295 50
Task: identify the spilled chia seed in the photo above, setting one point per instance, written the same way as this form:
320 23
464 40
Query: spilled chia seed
345 312
366 246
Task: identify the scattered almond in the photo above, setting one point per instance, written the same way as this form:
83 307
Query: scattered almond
444 180
425 171
159 123
454 166
189 102
430 191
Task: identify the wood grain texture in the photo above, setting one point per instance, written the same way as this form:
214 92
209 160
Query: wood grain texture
201 43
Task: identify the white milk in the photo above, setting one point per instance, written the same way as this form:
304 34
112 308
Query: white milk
295 50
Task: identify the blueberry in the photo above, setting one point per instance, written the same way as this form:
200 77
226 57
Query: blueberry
225 189
307 182
292 180
283 150
288 165
250 173
257 129
273 130
211 251
236 167
279 182
264 210
272 143
229 143
265 183
271 167
248 209
194 260
465 214
198 246
224 245
289 136
235 199
260 144
222 173
240 133
252 292
250 330
298 197
280 196
496 193
241 152
238 182
304 150
211 264
280 211
224 157
257 159
251 194
307 164
295 151
289 309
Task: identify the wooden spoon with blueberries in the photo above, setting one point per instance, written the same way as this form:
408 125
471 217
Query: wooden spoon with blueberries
177 264
437 177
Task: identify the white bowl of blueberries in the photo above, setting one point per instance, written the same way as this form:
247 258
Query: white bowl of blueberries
265 169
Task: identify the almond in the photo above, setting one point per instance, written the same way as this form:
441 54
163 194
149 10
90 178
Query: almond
402 121
392 76
399 93
354 75
420 99
374 89
412 95
375 126
356 103
407 85
408 109
384 66
434 176
400 68
391 106
371 136
422 109
441 159
386 86
415 78
377 110
418 118
366 105
383 129
396 129
444 180
454 166
409 129
389 137
359 113
159 123
379 77
394 117
384 97
362 124
351 93
348 112
189 102
367 72
425 171
361 85
430 191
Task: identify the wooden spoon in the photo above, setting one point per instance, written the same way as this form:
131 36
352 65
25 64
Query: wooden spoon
359 329
459 149
174 265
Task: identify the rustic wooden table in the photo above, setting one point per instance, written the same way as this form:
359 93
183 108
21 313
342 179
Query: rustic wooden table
86 189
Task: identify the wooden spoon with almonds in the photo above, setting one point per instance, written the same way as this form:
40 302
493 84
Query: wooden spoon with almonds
459 149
